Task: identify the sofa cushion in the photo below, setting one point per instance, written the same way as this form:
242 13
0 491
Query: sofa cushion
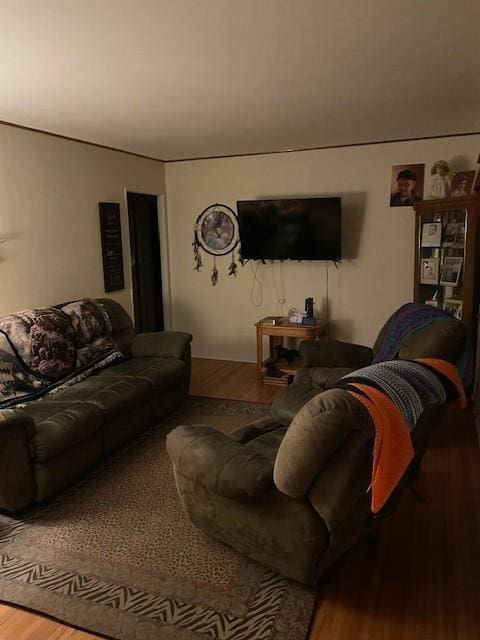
334 353
61 425
288 403
122 328
114 397
322 377
219 463
80 390
43 340
309 382
160 373
443 339
92 329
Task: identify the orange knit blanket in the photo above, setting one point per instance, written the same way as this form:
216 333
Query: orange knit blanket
449 371
393 449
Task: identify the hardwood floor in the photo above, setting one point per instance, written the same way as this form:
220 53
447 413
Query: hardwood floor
421 581
232 380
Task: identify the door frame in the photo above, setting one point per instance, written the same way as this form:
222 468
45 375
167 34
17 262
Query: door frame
164 253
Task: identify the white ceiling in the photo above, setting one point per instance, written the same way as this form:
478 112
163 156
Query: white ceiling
192 78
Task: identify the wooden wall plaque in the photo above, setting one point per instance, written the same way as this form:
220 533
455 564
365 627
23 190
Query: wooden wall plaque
111 236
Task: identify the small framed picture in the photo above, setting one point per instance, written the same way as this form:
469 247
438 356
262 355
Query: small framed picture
431 234
455 307
462 184
476 186
429 268
450 235
460 235
431 303
406 184
452 267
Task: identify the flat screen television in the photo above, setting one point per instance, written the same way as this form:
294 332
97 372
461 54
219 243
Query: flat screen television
293 229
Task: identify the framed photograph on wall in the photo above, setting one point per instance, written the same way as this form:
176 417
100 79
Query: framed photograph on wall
452 267
429 268
406 184
431 234
455 307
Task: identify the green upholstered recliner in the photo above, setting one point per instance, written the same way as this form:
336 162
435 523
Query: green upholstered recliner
324 362
294 498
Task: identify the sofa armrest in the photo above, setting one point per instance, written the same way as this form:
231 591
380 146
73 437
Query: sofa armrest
162 344
17 429
334 353
219 463
315 436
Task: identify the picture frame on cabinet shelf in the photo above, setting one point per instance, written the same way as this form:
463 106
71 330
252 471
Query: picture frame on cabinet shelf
431 234
450 235
429 269
455 307
460 235
452 267
476 186
462 184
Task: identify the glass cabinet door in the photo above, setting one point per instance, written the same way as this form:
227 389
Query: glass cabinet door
442 257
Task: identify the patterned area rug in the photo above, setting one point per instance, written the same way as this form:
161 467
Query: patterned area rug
117 556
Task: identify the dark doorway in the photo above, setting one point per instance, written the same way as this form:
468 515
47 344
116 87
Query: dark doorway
146 263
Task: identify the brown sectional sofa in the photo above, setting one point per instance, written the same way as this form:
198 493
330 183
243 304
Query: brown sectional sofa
50 443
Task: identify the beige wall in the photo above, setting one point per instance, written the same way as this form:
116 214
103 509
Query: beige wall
49 194
375 276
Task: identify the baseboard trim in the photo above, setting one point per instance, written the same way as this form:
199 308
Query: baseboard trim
229 357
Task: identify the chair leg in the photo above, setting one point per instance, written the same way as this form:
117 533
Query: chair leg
372 538
418 496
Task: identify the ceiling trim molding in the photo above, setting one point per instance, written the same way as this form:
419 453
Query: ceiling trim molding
70 139
235 155
331 146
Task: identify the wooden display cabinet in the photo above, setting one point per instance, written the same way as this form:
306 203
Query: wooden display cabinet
447 256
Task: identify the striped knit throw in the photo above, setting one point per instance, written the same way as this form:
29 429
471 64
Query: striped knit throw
411 386
409 319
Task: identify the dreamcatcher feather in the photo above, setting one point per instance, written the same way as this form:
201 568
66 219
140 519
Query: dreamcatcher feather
196 254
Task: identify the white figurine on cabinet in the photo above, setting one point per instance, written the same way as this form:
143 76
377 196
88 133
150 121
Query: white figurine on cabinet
441 180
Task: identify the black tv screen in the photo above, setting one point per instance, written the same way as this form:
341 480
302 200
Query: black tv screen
295 229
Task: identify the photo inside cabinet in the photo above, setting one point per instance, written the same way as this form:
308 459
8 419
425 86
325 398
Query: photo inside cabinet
442 246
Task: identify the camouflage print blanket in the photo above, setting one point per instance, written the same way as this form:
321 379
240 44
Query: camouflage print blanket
43 349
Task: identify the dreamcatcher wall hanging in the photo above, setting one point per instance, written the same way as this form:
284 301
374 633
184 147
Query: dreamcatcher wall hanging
216 232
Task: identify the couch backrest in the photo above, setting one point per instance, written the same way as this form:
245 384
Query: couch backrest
442 338
123 331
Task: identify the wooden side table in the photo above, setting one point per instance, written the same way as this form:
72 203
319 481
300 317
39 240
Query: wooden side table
285 329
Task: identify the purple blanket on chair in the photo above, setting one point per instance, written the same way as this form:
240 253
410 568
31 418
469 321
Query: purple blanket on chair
42 349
